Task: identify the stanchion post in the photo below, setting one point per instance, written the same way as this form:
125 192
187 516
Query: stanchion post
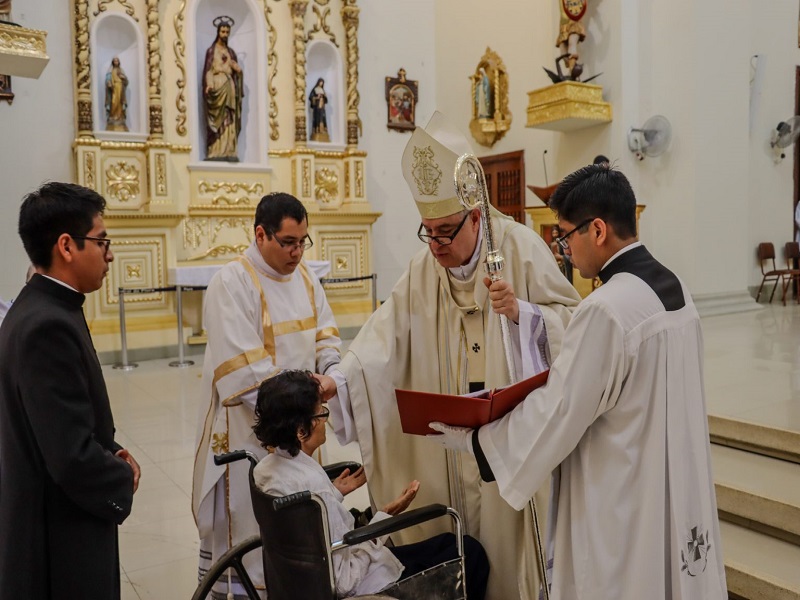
124 365
374 292
181 362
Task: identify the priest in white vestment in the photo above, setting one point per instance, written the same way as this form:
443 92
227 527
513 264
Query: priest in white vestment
622 419
436 333
264 312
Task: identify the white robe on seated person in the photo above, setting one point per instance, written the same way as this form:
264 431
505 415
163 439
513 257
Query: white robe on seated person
365 568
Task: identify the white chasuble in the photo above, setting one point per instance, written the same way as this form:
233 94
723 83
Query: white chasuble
259 323
417 340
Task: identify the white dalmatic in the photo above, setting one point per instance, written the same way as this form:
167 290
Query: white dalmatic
259 323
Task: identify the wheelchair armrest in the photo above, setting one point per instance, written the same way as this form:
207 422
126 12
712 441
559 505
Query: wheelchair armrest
285 501
335 469
396 523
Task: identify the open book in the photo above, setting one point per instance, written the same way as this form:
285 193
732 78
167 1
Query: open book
417 409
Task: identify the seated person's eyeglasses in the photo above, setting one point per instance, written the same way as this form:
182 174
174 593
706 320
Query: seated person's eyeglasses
562 241
303 244
442 240
323 415
104 243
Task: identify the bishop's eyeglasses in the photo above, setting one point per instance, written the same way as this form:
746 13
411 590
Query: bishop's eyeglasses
562 241
442 240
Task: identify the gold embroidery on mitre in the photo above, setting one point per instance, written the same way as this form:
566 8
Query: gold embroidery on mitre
426 172
219 443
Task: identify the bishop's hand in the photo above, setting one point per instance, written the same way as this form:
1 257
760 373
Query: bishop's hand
504 301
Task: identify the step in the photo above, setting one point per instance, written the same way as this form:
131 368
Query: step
770 441
759 492
758 566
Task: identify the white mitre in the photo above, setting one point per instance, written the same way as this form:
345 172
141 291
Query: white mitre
429 163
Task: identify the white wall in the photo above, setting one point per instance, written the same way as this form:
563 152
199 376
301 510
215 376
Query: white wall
37 131
393 35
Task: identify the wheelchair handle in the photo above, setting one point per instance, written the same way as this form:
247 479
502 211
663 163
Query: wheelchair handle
291 499
236 455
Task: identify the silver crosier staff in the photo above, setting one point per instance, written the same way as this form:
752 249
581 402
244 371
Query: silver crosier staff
472 192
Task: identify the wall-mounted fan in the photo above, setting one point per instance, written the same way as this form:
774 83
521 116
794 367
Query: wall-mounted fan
784 135
652 139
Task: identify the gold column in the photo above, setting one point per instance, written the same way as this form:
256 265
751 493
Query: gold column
154 70
298 8
350 19
83 76
272 63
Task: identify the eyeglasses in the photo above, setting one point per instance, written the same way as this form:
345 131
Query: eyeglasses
323 415
302 245
442 240
562 241
104 243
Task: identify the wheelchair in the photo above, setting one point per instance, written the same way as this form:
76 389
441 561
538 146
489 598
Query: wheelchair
297 549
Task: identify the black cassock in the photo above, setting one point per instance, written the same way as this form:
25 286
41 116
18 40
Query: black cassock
62 490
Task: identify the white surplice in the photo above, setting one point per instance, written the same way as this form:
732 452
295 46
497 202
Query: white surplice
365 568
623 414
437 333
259 323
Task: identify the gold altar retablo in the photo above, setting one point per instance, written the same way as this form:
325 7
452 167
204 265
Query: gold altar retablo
567 106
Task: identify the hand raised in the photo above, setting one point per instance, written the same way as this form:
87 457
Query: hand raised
347 482
328 386
403 500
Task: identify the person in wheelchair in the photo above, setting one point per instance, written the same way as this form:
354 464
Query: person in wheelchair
290 421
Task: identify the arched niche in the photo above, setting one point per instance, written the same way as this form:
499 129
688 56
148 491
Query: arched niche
118 35
323 60
247 40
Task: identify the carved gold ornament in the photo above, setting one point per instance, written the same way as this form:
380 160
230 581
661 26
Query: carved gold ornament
350 20
25 43
359 179
489 93
272 63
133 271
88 171
221 250
322 25
246 225
298 8
347 181
210 187
341 263
122 181
427 174
326 185
154 68
306 178
161 174
82 72
193 232
102 4
180 52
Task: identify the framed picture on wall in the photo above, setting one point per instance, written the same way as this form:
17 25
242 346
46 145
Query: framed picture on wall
5 89
401 102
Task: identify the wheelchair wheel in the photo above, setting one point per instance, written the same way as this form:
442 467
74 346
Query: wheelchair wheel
232 559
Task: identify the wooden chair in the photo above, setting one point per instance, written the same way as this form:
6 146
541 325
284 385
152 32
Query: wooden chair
792 252
766 252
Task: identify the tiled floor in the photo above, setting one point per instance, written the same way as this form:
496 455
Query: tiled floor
752 372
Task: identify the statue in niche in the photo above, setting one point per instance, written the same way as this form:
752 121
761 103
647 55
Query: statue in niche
317 99
223 92
483 95
116 97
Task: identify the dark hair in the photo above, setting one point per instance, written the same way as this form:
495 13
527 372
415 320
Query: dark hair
600 159
286 403
56 208
597 191
275 207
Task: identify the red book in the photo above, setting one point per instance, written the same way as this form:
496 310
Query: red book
417 409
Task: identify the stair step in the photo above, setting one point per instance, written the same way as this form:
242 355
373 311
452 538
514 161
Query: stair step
759 566
758 492
763 439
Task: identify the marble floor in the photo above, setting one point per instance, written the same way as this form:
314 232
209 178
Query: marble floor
752 373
